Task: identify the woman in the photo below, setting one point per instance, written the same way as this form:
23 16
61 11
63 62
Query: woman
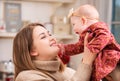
35 57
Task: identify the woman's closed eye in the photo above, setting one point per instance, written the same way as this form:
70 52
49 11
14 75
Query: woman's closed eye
44 36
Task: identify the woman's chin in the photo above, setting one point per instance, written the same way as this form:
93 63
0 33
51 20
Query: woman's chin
55 58
56 51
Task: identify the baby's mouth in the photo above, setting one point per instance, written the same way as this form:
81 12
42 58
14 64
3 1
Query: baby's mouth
77 32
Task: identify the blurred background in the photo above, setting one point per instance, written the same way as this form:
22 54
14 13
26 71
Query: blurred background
53 14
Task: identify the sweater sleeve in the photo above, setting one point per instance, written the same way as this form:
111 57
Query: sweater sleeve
101 39
83 73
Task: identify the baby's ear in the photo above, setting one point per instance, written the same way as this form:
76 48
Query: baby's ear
84 20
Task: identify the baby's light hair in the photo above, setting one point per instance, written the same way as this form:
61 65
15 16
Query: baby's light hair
70 12
73 13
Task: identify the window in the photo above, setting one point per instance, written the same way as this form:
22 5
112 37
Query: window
116 20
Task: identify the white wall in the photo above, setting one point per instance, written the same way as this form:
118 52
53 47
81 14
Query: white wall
1 10
5 49
37 11
105 9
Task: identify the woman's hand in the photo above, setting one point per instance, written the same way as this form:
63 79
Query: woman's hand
88 56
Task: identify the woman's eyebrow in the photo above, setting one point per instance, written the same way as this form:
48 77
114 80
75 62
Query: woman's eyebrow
41 34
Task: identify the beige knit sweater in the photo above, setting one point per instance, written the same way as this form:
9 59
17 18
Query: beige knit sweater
49 72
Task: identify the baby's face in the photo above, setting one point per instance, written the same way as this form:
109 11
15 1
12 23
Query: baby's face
77 24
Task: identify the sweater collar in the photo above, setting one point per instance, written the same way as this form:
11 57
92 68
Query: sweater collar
47 65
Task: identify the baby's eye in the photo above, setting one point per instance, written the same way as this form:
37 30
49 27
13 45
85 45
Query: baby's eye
73 24
50 34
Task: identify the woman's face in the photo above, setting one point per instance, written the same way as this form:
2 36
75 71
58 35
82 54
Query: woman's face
44 45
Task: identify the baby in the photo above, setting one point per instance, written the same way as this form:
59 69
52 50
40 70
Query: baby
101 41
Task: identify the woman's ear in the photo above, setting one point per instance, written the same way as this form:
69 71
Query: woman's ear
33 53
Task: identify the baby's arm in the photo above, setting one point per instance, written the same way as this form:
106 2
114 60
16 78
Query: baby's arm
71 49
101 39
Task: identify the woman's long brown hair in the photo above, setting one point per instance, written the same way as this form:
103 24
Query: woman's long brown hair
22 45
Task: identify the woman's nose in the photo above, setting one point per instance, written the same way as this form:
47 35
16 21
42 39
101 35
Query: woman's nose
52 38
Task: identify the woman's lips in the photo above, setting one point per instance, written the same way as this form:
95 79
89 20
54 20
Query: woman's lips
53 44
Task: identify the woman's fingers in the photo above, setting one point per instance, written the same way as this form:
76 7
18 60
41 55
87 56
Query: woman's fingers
86 39
88 56
86 42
